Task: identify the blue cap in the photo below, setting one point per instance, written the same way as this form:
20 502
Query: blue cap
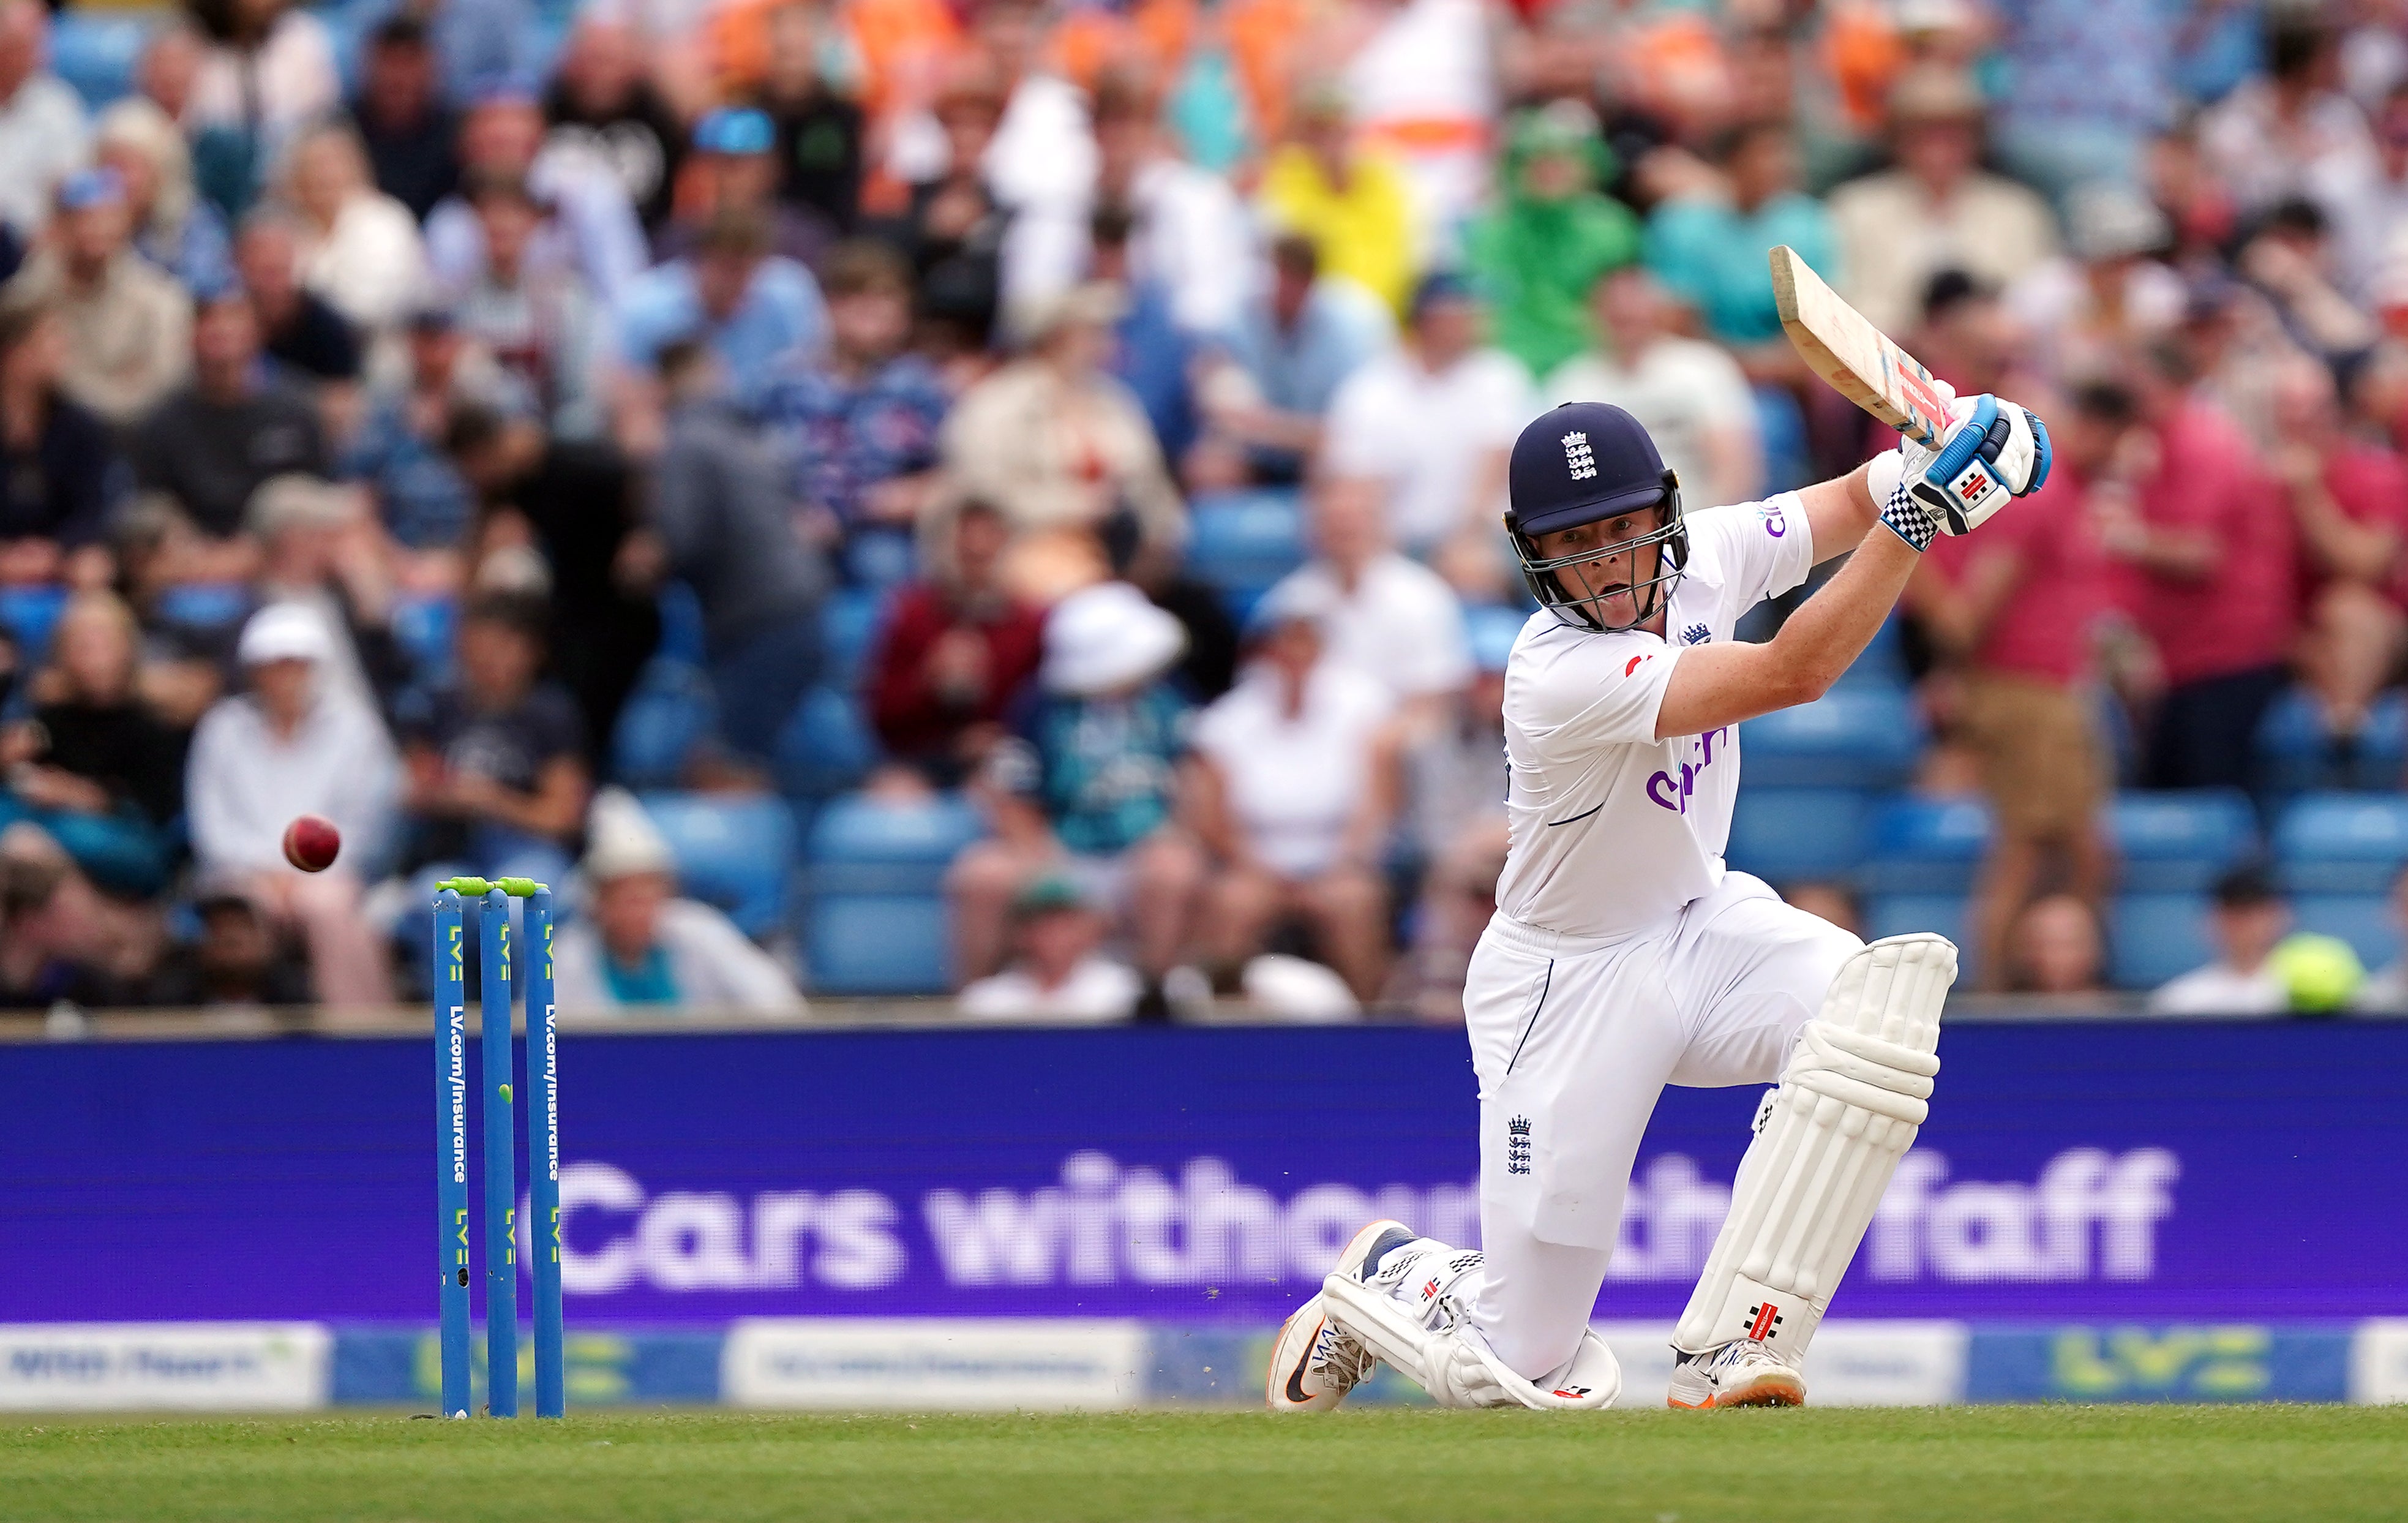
90 188
734 129
1579 463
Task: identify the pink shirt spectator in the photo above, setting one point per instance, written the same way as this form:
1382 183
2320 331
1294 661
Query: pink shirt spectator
2370 484
2239 616
2043 628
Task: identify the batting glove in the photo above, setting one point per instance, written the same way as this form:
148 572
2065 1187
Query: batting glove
1994 452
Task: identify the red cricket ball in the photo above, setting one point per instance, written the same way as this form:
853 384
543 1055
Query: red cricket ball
311 841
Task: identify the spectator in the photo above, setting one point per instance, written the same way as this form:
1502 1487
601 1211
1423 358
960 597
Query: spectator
540 325
862 424
1453 808
43 132
1937 210
2370 214
2019 614
1043 154
1381 615
1538 254
1353 202
267 70
953 226
177 231
1058 971
59 937
303 334
1708 243
213 441
128 327
735 169
2291 131
575 503
1189 234
2248 919
641 946
1294 345
759 311
818 130
319 552
2083 311
954 648
1151 355
398 453
2291 266
1056 443
295 744
2093 80
360 248
720 507
55 461
92 765
590 227
1423 82
2349 498
410 132
1089 787
238 961
2055 949
1431 422
603 107
498 778
2205 570
1689 394
1290 777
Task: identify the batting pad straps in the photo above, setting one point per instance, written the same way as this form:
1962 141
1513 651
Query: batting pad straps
1826 1143
1864 1071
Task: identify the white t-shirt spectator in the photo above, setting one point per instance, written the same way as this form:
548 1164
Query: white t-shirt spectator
1424 435
1400 625
1680 390
43 135
713 965
1294 783
2221 989
1098 989
371 265
290 81
243 783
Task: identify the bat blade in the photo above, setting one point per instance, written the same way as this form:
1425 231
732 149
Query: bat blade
1861 363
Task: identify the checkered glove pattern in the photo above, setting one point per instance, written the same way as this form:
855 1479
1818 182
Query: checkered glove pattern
1909 519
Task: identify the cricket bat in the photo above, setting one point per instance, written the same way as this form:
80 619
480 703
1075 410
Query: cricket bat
1857 359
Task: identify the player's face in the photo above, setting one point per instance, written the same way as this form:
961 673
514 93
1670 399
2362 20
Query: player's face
1615 568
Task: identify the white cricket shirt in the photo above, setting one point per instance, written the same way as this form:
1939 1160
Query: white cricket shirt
1613 829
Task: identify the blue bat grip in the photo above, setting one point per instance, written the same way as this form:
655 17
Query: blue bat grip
1966 445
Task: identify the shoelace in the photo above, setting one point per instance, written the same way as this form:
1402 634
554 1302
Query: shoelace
1341 1362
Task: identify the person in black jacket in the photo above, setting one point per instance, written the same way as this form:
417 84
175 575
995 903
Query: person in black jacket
54 461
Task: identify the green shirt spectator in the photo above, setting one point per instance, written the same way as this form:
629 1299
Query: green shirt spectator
1711 249
1538 254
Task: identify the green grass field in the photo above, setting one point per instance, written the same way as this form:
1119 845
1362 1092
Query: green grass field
1409 1465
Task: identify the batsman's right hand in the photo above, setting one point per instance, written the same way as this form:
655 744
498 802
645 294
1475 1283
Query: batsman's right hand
1996 451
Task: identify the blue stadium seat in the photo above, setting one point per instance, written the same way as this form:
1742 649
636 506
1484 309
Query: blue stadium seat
1244 541
2363 920
1897 914
2154 937
2180 841
2296 753
877 916
1860 737
1784 835
1925 846
825 746
205 604
734 851
2342 843
1883 663
97 51
31 613
1491 630
668 714
848 626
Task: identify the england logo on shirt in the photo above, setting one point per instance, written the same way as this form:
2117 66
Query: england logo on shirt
1577 456
1696 634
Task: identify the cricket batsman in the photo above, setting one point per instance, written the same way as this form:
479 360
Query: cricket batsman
1624 956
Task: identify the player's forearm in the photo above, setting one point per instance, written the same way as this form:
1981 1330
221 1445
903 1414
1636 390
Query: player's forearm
1827 634
1838 513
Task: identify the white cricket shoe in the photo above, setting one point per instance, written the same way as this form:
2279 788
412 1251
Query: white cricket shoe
1315 1362
1743 1373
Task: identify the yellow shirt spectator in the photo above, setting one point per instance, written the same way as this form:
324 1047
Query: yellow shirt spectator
1364 231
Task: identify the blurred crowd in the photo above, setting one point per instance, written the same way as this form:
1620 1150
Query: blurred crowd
373 377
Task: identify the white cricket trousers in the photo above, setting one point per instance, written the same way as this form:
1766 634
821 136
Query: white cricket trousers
1573 1038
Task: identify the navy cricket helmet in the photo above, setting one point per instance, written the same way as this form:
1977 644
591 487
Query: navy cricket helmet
1581 462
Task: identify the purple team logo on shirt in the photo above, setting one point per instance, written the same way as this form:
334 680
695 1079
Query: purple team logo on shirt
1776 523
1667 791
